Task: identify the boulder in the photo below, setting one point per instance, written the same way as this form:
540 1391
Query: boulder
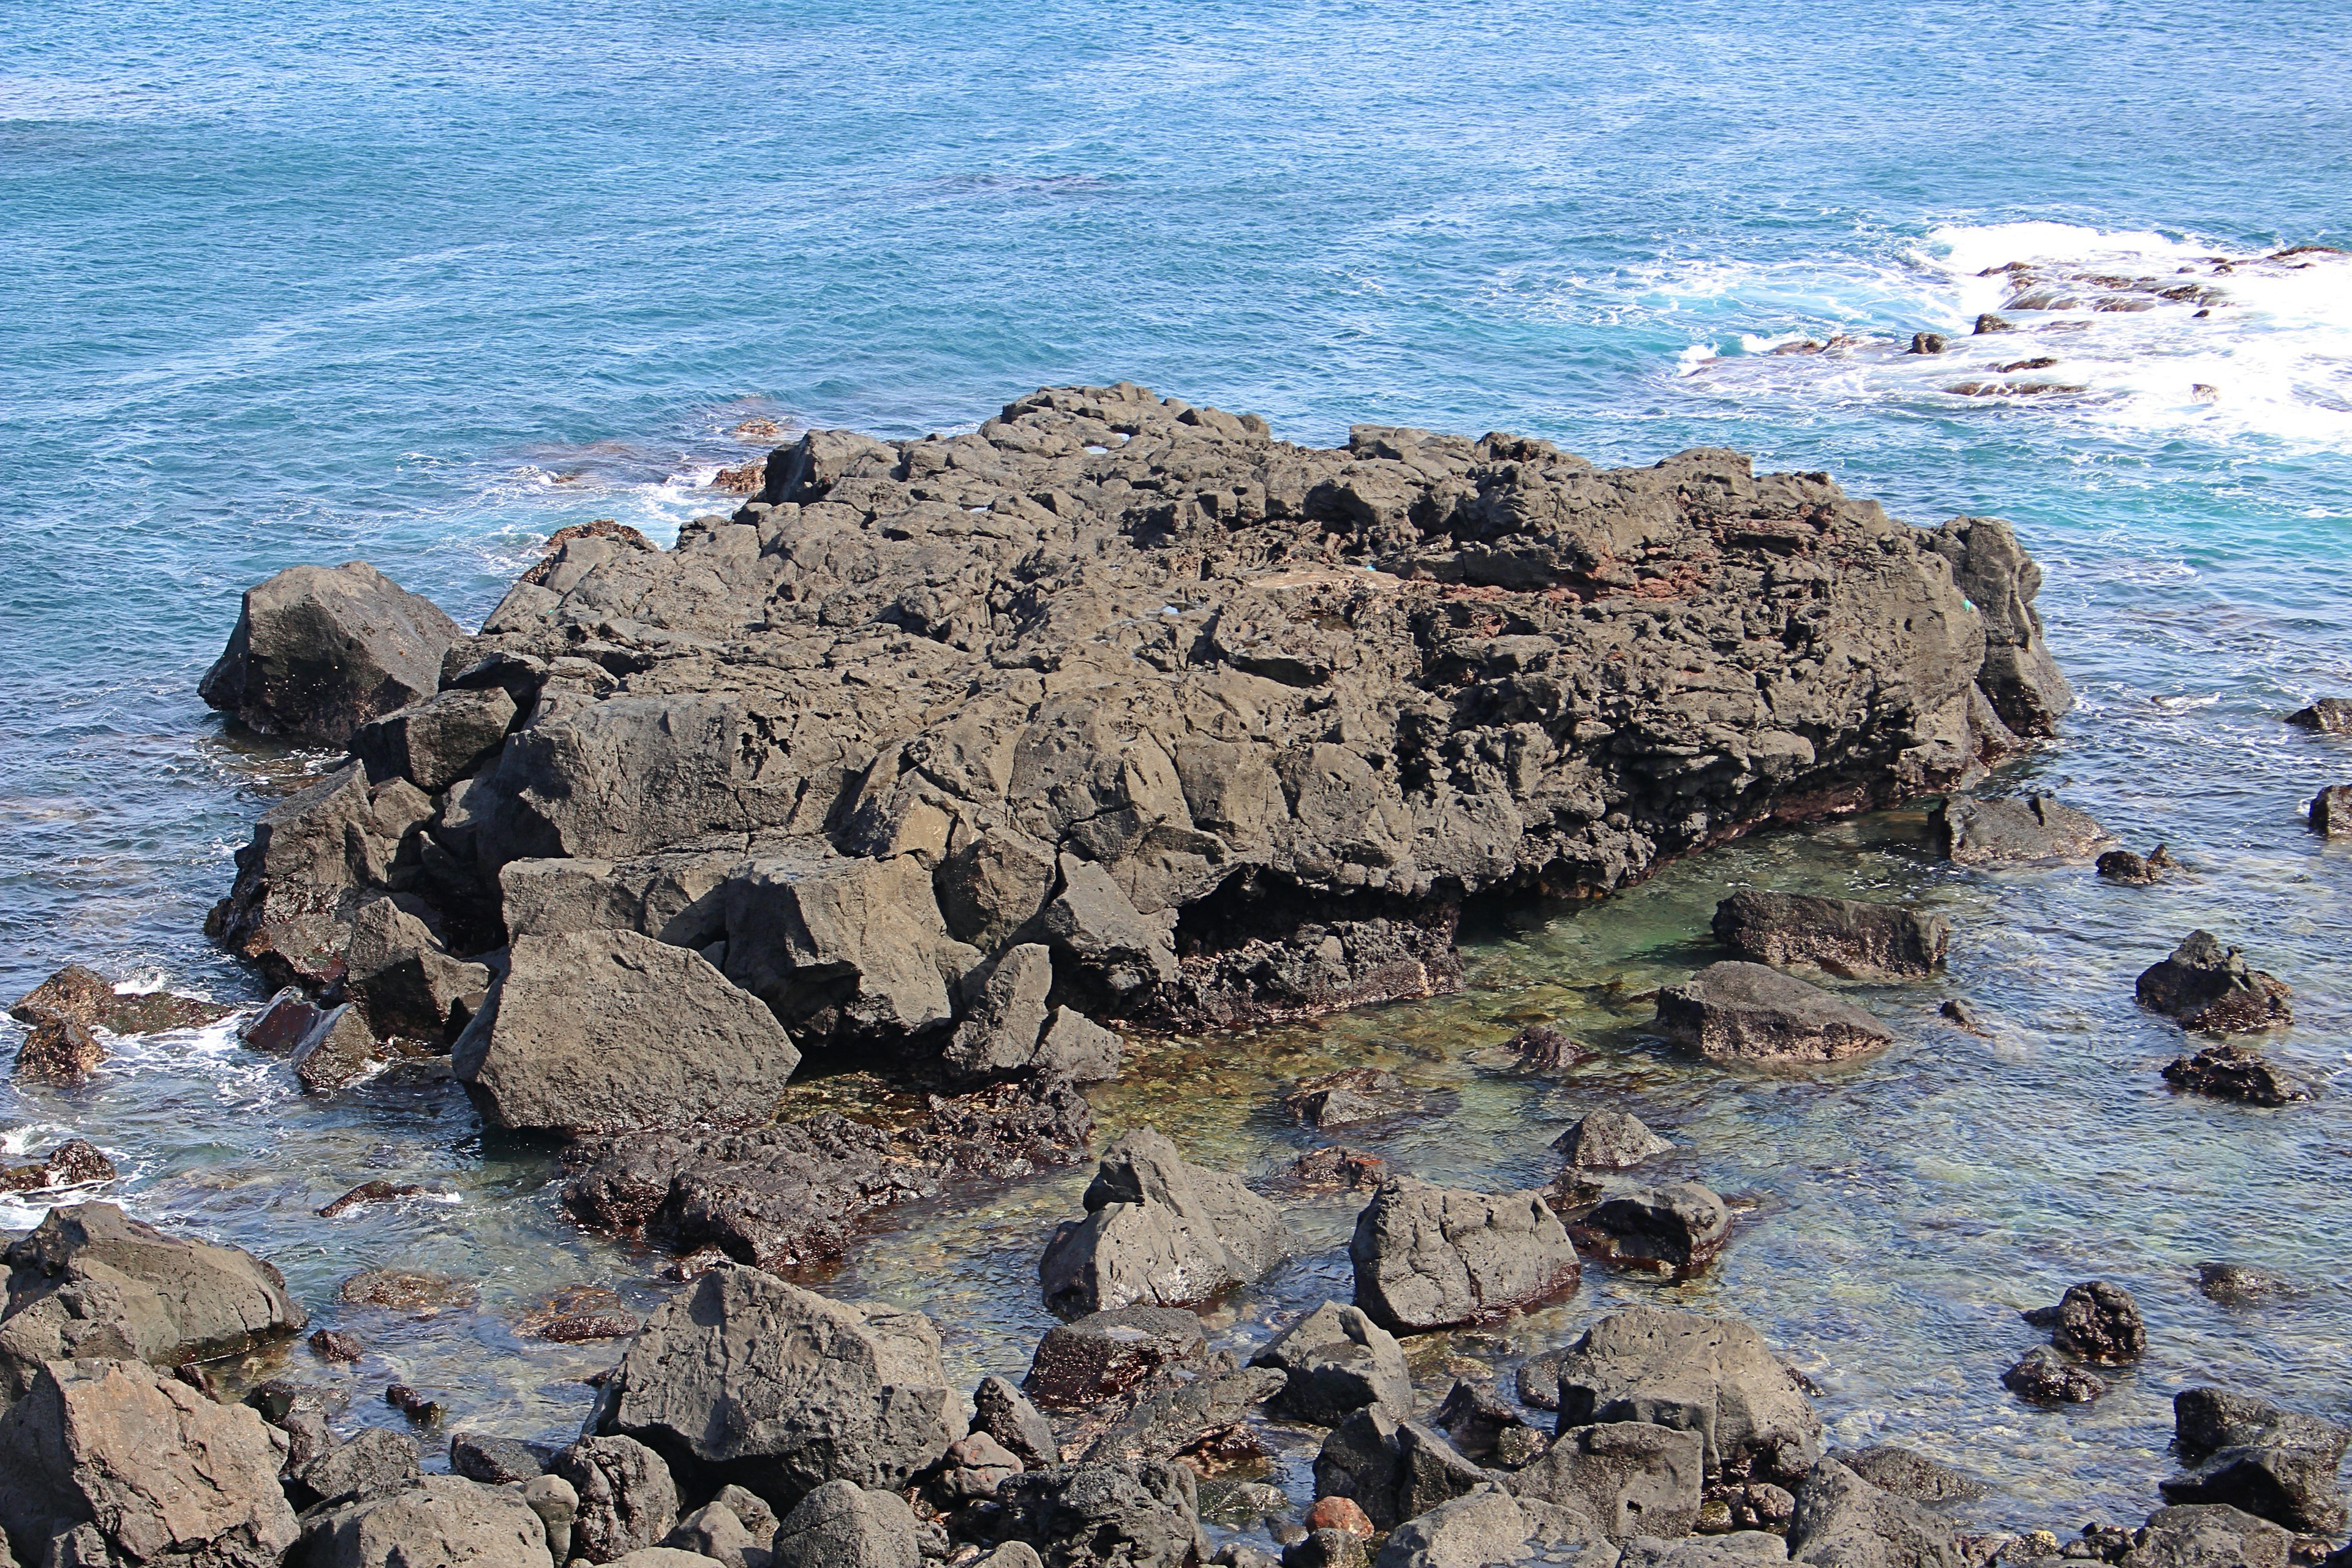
1106 1515
90 1282
58 1050
840 948
337 1051
2234 1071
139 1467
1006 1417
1392 1470
553 1498
1096 926
994 886
1845 936
1430 1258
716 1531
492 1460
2042 1378
782 1390
975 1466
2252 1455
2331 812
376 1463
1335 1168
434 742
89 999
1678 1226
406 982
598 1031
2038 830
1338 1098
2328 716
1631 1477
319 651
1713 1376
2099 1322
1542 1050
627 1501
1004 1013
1609 1140
2018 676
444 1521
1487 1526
2202 987
1337 1360
2241 1284
1843 1521
2208 1535
1158 1231
1745 1012
1102 1355
2136 869
1200 1419
1537 1382
839 1525
1905 1474
1484 1429
1737 1550
75 1163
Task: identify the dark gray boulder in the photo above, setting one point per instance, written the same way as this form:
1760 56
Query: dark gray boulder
598 1031
2272 1463
1739 1549
1486 1526
2041 1377
2328 716
2208 1535
434 742
1005 1415
1392 1470
58 1050
2236 1072
2017 677
406 982
715 1530
1431 1257
337 1051
444 1521
376 1463
2204 988
1845 936
1745 1012
1713 1376
2331 812
2099 1321
1200 1418
1335 1360
1609 1140
1678 1226
1911 1475
2135 870
1082 1363
1843 1521
1485 1428
1631 1477
1158 1231
2241 1284
1106 1515
492 1460
89 999
318 651
841 1525
2036 831
627 1499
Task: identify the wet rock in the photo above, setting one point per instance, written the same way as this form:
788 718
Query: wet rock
1105 1514
1486 1526
2038 830
1962 1016
2239 1072
2203 987
714 1530
1484 1429
1679 1226
1336 1098
492 1460
318 652
75 1163
838 1525
369 1193
2209 1536
1540 1048
58 1050
1745 1012
334 1345
339 1050
298 1411
1430 1258
2328 716
598 1031
1843 1521
444 1521
1710 1376
576 1314
140 1468
784 1390
1905 1474
2042 1378
1609 1140
2138 870
1081 1364
90 1282
1925 343
1345 1170
417 1407
1005 1415
280 1025
2100 1323
1537 1382
627 1499
2252 1455
1758 1504
2241 1284
376 1463
434 742
407 1291
1326 1548
2018 676
406 982
1631 1477
2331 812
1199 1419
1160 1231
1337 1360
1843 936
89 999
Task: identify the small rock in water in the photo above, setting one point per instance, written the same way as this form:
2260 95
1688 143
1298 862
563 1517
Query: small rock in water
89 999
73 1163
2238 1284
2042 1378
743 479
2331 812
409 1403
1925 343
1988 322
1349 1170
366 1193
1431 1258
2039 830
2140 870
406 1291
281 1025
1845 936
2238 1072
334 1345
2204 988
1336 1099
1745 1012
2099 1322
1678 1227
58 1050
1963 1015
1609 1140
578 1313
1540 1048
2330 716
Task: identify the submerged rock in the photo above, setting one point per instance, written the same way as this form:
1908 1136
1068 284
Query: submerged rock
1349 1169
318 652
72 1163
2202 987
87 998
2239 1284
2040 1377
1430 1258
1745 1012
2097 1322
1540 1048
1349 1095
1158 1230
2328 716
58 1050
1845 936
1713 1376
1678 1226
2234 1071
2140 870
2038 830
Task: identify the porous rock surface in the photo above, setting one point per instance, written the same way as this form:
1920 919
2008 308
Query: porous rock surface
1432 1257
2205 987
1158 1230
1713 1376
1735 1011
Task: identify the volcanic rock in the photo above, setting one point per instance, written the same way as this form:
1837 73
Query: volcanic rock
1336 1098
1843 1521
1006 1417
444 1521
1631 1477
1486 1526
1540 1048
437 741
89 999
2328 716
318 652
1843 936
2252 1455
1905 1474
1430 1258
2234 1071
1337 1360
1739 1549
837 1525
493 1460
1199 1419
1745 1012
2042 1378
2331 812
715 1530
2209 1536
1486 1430
2240 1284
1333 1167
2204 988
1160 1231
338 1050
58 1050
1609 1140
2017 677
2099 1322
1080 1364
1713 1376
72 1163
1106 1515
1391 1469
407 1291
627 1499
1678 1226
404 980
376 1463
2038 830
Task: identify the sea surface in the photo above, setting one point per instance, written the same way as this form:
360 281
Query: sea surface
422 282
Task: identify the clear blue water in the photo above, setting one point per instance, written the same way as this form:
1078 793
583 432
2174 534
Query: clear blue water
423 282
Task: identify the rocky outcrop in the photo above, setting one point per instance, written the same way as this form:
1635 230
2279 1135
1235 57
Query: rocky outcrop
2205 988
2039 830
2098 1321
1905 1474
2252 1455
2328 716
1158 1231
2330 814
2017 677
319 651
1845 936
1713 1376
2234 1071
2041 1377
1431 1257
437 741
1336 1361
1746 1012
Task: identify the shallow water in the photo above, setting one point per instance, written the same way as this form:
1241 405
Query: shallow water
423 282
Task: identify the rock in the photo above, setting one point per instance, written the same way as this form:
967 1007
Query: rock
75 1162
1988 322
1021 1554
2252 1455
280 1025
334 1345
1337 1360
1002 1411
553 1498
1905 1474
2212 1535
975 1466
89 1282
2241 1284
89 999
1733 1551
339 1051
1631 1477
1486 1526
1198 1418
1079 1365
444 1521
1843 936
406 982
1081 1516
58 1050
369 1192
2331 812
2040 1378
2140 870
492 1460
1392 1470
839 1526
1097 928
1537 1380
784 1390
661 1557
1609 1140
318 652
1540 1048
1004 1013
2328 716
1745 1012
1679 1226
2234 1071
376 1463
419 1408
434 742
627 1499
750 1508
1428 1257
2018 676
299 1412
1336 1098
1338 1514
598 1031
2038 830
1347 1170
1158 1231
2099 1322
1843 1521
713 1531
2202 987
1076 1049
1483 1429
1759 1505
407 1291
1709 1375
142 1469
1327 1547
1925 343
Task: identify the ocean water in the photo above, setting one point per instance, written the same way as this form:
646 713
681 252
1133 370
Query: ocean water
420 283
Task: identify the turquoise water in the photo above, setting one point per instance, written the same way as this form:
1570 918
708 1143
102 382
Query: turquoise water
421 283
